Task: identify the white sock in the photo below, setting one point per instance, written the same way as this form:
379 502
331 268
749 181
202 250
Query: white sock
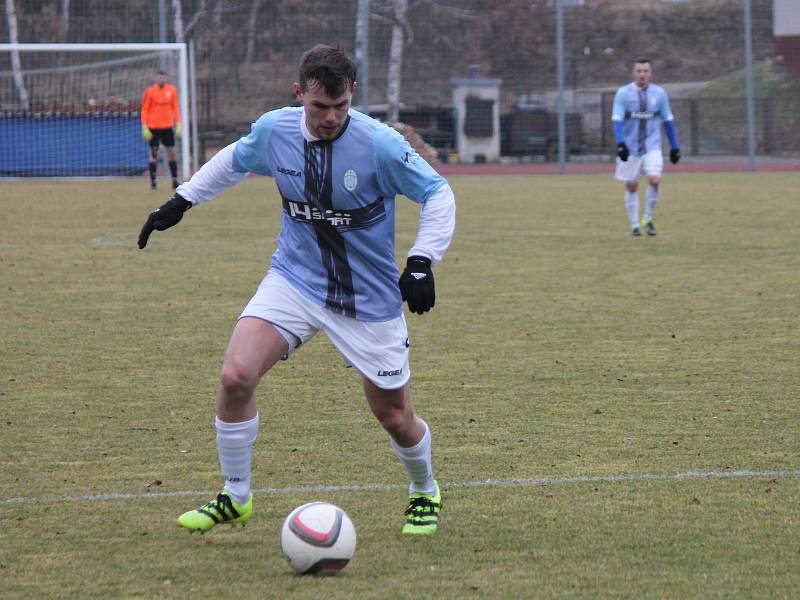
652 201
632 207
235 450
417 461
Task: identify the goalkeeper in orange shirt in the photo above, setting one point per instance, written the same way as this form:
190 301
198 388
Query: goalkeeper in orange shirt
159 114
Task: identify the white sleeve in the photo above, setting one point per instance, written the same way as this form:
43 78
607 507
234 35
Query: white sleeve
437 221
213 178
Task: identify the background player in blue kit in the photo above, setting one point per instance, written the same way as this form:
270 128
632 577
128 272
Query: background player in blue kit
338 172
639 109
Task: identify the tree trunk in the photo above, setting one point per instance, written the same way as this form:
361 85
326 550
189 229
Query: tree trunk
395 71
251 31
176 9
16 65
64 20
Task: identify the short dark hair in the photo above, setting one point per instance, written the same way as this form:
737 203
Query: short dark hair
643 60
331 68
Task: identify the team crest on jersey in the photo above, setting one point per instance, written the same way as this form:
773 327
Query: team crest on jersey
350 180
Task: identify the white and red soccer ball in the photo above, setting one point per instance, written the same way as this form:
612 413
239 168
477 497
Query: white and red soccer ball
318 537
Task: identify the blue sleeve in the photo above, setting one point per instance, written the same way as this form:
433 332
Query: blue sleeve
619 132
401 170
666 110
250 152
618 115
672 133
618 109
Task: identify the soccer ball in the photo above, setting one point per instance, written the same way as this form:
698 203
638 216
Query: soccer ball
318 537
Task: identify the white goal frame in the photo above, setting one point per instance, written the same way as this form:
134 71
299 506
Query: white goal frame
183 77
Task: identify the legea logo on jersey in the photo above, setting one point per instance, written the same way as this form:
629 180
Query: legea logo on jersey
390 373
290 172
350 180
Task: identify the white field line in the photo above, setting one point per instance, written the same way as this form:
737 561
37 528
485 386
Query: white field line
367 487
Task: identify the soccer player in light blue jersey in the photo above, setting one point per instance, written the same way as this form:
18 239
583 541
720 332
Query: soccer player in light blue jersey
639 110
334 270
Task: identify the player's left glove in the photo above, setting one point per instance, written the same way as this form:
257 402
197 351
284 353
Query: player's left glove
416 285
623 152
178 130
146 133
674 155
165 216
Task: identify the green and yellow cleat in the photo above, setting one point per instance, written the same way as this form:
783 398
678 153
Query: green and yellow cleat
649 227
422 514
221 509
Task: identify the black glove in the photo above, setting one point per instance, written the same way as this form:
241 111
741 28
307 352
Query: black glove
623 152
416 285
674 155
165 216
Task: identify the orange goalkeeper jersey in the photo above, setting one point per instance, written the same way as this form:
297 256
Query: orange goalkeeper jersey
160 107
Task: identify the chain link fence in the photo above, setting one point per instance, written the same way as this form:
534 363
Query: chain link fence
247 55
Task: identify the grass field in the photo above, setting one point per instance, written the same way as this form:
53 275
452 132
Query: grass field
612 417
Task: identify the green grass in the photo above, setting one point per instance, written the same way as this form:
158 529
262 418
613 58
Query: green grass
768 80
559 347
777 118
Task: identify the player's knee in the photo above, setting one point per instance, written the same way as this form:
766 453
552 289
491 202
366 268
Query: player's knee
237 380
631 187
654 181
396 421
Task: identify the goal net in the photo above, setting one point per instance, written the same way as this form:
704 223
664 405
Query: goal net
72 110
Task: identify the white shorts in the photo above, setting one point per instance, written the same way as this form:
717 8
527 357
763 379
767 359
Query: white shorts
379 351
650 163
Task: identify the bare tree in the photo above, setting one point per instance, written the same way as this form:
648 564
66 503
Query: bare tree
394 74
176 9
199 14
64 20
218 14
16 65
251 31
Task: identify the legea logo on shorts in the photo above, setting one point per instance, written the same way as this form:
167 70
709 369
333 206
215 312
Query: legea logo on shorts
350 180
390 373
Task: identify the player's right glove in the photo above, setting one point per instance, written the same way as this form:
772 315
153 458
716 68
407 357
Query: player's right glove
165 216
674 155
146 133
623 152
416 284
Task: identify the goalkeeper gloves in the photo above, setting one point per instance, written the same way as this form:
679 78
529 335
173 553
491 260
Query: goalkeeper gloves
416 285
146 133
623 152
168 214
674 155
178 130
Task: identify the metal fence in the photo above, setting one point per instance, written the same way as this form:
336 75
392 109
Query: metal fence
247 55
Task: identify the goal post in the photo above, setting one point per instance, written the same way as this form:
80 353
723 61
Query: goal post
73 110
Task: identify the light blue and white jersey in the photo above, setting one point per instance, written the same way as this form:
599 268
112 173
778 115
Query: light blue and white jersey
336 244
641 112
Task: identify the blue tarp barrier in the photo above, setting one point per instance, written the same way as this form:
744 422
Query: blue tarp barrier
71 145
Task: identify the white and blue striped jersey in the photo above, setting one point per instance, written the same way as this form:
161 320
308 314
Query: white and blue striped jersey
641 112
336 244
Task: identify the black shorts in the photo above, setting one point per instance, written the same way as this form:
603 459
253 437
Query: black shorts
163 136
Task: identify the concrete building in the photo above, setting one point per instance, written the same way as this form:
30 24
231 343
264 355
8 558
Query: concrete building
786 28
